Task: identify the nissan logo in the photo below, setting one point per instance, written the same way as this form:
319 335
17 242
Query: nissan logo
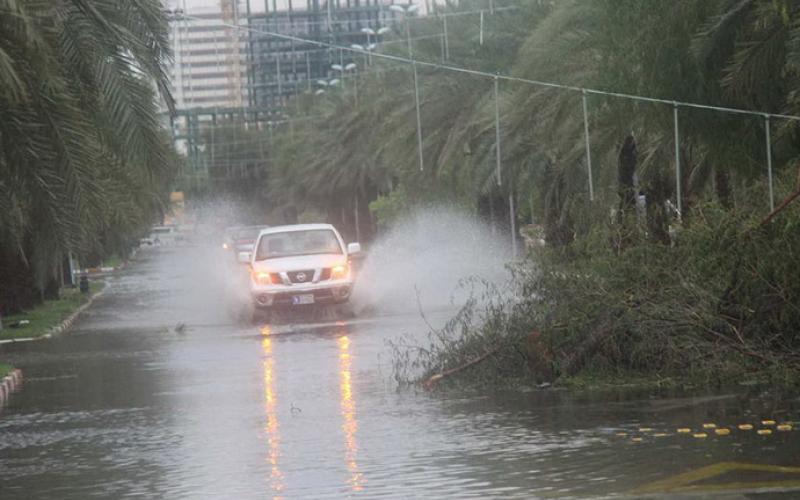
301 277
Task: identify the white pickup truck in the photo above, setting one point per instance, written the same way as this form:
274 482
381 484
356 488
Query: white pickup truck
299 265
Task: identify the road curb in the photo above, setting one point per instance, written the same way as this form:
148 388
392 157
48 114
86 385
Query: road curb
61 327
67 323
93 272
10 384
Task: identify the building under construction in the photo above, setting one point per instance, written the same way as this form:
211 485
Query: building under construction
280 68
230 68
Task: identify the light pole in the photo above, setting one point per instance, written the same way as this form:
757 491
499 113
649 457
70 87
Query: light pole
370 33
326 83
406 11
344 69
366 49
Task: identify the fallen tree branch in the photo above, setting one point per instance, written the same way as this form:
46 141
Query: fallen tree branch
573 364
785 203
432 380
726 295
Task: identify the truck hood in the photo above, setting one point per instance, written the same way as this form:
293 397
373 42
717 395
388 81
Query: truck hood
299 262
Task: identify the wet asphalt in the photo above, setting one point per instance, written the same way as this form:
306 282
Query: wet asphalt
125 406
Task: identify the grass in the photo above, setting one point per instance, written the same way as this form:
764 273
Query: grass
45 317
632 380
5 369
112 261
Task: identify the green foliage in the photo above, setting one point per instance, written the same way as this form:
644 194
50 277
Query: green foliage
390 208
358 143
718 305
49 314
85 165
609 293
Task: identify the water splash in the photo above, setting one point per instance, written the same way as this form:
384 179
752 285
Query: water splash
427 256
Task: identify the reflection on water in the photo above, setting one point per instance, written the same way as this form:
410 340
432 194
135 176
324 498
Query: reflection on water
350 422
120 409
272 427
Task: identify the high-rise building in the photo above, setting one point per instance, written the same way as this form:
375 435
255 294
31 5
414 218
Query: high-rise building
209 41
229 68
280 68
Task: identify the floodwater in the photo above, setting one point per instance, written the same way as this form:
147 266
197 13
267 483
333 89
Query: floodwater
124 407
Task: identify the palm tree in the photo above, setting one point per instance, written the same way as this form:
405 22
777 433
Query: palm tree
357 152
724 52
83 151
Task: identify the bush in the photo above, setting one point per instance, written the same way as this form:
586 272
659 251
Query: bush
721 301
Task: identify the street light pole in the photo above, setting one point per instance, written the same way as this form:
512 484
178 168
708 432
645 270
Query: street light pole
341 64
419 118
280 84
370 46
446 40
344 69
355 84
408 38
308 70
326 83
406 12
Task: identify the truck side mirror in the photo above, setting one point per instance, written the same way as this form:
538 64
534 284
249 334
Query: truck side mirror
243 257
353 248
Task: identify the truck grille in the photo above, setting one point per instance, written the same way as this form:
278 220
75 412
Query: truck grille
306 276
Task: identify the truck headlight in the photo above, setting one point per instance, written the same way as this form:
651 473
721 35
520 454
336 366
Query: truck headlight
340 272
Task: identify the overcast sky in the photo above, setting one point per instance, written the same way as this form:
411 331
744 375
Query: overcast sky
198 6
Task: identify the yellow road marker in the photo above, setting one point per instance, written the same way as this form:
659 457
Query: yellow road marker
645 429
622 434
636 440
764 432
709 426
767 422
660 434
684 430
700 435
784 427
722 432
745 427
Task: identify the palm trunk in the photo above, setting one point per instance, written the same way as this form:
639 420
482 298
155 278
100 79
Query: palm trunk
626 168
657 194
722 186
557 225
627 160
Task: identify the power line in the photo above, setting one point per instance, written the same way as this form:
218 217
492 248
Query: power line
540 83
263 34
356 21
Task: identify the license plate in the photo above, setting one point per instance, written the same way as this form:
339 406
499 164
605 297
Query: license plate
303 299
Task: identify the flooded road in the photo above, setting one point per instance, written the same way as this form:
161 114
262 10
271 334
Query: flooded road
126 407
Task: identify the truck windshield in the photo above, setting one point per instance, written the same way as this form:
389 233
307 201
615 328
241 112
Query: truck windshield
292 243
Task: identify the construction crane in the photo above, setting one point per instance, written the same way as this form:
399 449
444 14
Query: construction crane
233 63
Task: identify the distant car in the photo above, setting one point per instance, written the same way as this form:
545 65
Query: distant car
162 235
241 238
300 265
